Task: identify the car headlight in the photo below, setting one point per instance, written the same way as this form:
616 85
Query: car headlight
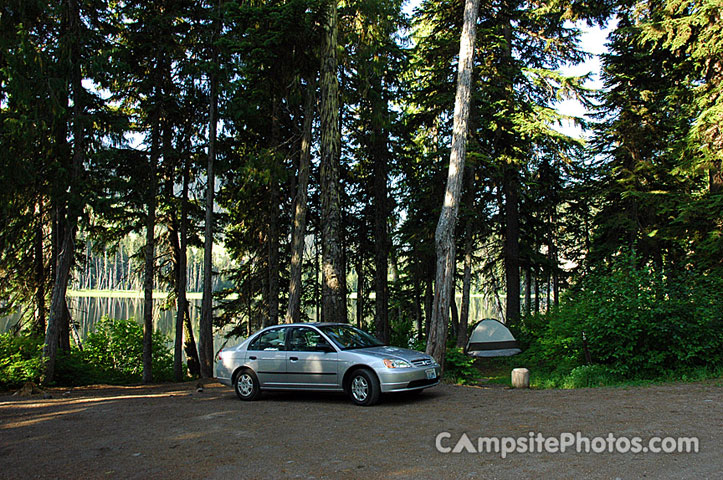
391 363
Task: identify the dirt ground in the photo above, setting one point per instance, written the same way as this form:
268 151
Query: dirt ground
173 431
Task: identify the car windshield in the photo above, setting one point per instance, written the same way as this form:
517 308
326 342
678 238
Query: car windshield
348 337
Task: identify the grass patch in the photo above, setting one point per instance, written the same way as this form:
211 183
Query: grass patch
591 376
498 371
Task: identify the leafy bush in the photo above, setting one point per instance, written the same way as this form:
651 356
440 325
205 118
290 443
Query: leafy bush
112 354
638 321
459 367
20 359
116 347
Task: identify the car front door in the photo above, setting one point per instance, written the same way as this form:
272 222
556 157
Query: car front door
311 360
267 357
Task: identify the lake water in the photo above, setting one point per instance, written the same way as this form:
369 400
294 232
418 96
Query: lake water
87 310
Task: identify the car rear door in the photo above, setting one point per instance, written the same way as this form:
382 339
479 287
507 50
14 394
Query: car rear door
311 360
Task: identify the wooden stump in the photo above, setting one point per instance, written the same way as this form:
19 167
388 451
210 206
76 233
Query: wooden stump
28 389
520 378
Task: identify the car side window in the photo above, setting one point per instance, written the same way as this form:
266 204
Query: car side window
306 340
272 340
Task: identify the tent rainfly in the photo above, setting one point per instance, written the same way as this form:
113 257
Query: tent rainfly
490 338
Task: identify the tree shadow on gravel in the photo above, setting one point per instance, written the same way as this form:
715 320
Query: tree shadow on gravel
338 398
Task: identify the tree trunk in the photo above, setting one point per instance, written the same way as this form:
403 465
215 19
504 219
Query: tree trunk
148 270
444 235
512 246
381 234
528 290
428 300
181 276
468 251
360 280
317 283
549 289
454 313
272 240
38 258
293 310
417 307
552 250
66 222
466 287
333 303
64 338
57 305
205 334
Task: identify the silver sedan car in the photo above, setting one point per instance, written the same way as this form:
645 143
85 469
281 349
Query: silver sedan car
323 357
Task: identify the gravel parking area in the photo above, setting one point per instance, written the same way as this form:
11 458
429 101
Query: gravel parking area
173 431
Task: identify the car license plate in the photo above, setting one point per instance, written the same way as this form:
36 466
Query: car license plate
431 374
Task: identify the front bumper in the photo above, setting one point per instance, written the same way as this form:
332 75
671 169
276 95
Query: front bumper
408 379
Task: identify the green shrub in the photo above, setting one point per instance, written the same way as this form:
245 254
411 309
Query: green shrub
116 347
113 353
639 322
73 369
20 359
459 367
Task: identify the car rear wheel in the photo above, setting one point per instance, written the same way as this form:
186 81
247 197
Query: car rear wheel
364 388
246 385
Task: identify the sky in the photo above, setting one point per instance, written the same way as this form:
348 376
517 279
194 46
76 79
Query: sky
593 40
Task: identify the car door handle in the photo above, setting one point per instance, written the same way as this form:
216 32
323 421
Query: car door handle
293 359
252 357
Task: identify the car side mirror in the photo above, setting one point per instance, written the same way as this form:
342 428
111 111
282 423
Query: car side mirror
324 347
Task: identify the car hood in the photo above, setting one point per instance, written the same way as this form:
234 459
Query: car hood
393 352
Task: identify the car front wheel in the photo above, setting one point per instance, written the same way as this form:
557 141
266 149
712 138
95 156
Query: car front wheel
364 388
246 385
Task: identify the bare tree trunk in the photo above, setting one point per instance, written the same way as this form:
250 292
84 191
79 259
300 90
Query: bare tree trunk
381 255
148 271
466 287
67 221
417 307
444 235
181 276
537 293
205 334
380 151
57 305
528 289
317 281
360 282
39 321
468 251
333 303
65 327
272 240
428 301
293 310
512 246
454 313
549 290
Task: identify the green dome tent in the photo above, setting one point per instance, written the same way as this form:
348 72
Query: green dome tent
490 338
